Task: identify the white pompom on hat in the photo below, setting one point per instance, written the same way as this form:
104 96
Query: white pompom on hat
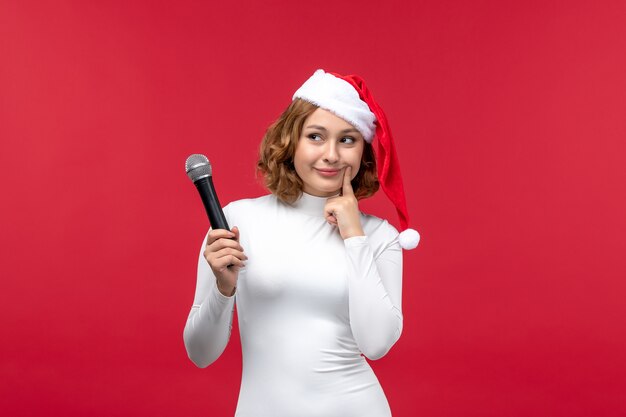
349 98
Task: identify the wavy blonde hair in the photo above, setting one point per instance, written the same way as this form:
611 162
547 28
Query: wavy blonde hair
278 148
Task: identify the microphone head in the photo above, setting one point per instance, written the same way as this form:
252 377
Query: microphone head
197 167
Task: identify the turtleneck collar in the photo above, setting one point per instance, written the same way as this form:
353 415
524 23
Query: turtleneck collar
311 205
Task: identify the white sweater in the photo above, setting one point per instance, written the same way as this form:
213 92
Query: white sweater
308 304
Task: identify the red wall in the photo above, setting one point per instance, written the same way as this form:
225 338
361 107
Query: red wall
510 122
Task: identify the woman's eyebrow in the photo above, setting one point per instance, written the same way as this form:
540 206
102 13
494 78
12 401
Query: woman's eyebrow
318 127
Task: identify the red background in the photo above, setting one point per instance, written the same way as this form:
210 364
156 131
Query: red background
510 122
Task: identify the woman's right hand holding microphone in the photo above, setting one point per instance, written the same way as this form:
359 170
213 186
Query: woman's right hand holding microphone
225 257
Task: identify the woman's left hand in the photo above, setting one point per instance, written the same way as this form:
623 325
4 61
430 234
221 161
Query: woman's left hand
343 211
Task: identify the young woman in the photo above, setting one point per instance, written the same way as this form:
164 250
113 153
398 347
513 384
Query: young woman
318 283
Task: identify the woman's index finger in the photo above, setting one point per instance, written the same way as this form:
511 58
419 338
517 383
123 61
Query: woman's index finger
347 182
215 234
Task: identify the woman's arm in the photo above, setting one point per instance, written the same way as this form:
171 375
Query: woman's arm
209 323
374 283
375 295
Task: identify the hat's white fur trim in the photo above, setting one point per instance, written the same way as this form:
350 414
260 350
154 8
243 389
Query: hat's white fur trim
339 97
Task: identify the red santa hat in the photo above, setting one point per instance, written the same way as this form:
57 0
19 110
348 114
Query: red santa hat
349 98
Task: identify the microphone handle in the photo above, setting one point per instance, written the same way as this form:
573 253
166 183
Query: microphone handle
211 203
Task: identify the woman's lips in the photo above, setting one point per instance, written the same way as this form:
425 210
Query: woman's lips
328 172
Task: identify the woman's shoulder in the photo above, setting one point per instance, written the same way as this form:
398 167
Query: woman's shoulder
245 205
379 230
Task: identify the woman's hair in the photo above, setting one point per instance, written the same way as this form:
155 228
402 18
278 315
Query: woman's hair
279 147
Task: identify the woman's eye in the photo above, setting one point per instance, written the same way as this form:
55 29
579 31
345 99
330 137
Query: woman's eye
348 140
315 137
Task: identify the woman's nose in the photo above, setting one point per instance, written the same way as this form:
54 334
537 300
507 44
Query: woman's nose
331 155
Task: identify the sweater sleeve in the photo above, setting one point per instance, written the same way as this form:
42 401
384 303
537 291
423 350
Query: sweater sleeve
375 295
209 324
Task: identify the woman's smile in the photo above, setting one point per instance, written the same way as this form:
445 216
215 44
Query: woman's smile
327 172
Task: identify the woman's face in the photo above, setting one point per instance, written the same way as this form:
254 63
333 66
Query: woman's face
328 144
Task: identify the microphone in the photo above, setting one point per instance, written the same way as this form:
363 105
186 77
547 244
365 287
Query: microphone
199 171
